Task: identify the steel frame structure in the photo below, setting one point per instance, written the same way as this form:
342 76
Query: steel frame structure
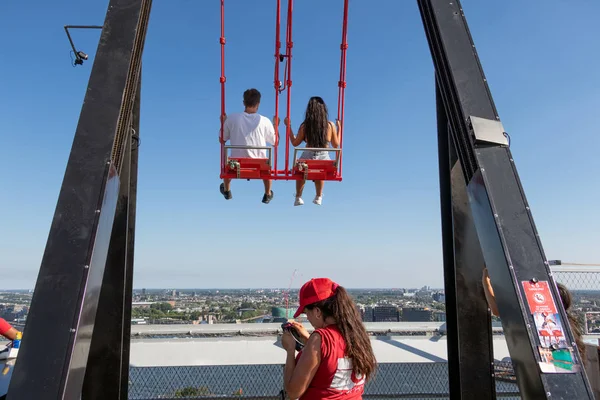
76 342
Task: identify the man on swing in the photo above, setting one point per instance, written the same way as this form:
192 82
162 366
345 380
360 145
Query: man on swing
248 128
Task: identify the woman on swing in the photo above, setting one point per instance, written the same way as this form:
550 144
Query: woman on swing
318 132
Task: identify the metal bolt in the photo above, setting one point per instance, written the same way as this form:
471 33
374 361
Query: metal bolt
482 169
97 211
548 394
534 280
72 330
510 266
527 208
86 266
529 325
511 160
496 215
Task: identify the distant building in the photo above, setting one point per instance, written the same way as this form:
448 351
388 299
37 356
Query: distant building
439 297
367 314
141 304
410 314
386 314
439 316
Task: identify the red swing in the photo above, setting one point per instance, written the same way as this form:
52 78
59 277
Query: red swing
266 168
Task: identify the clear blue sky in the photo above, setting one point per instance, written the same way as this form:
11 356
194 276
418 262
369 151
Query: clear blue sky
379 227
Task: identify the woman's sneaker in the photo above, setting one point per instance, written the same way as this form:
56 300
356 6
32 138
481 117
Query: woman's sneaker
318 200
298 201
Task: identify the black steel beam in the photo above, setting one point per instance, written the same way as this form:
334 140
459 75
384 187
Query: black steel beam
509 241
454 371
103 372
470 356
107 374
54 352
133 179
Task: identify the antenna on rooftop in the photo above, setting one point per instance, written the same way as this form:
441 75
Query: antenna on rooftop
287 295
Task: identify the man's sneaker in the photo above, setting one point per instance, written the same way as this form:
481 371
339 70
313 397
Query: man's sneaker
318 200
268 197
298 201
226 194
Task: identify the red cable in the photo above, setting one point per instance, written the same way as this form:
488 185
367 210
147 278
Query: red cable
276 82
342 81
289 45
222 80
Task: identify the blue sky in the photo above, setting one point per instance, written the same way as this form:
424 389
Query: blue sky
378 228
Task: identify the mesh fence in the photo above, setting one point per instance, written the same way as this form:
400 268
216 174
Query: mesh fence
393 380
584 285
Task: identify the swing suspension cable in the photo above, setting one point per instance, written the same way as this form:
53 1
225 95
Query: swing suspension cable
288 81
222 80
276 81
342 81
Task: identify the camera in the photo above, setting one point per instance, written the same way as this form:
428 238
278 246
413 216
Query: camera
286 326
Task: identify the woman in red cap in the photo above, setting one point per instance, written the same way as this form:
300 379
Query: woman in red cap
337 358
7 331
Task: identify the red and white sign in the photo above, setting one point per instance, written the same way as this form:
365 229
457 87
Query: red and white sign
539 297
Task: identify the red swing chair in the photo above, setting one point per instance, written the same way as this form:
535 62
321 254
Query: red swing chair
266 168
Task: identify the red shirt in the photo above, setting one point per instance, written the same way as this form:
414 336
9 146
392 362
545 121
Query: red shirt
334 379
4 326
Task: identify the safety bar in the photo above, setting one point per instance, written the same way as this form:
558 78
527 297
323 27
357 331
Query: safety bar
268 148
315 149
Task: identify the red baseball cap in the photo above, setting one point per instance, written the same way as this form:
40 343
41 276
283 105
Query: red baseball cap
315 290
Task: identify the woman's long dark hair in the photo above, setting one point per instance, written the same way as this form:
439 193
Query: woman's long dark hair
574 322
316 123
343 310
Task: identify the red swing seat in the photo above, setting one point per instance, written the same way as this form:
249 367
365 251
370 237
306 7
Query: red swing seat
247 167
317 170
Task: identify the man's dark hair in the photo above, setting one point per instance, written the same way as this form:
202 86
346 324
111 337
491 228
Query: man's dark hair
251 98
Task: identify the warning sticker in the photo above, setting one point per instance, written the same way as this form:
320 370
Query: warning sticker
539 297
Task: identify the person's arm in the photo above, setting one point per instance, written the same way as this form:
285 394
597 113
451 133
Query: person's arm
296 140
297 377
489 293
226 130
335 138
7 330
272 137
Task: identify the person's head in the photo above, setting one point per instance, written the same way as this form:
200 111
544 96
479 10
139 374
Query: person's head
325 302
565 296
316 122
251 100
574 322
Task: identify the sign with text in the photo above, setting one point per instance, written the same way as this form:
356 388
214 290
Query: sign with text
539 297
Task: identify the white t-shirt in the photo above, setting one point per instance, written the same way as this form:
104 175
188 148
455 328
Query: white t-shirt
243 129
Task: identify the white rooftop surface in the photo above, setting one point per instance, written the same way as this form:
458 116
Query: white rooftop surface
267 350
